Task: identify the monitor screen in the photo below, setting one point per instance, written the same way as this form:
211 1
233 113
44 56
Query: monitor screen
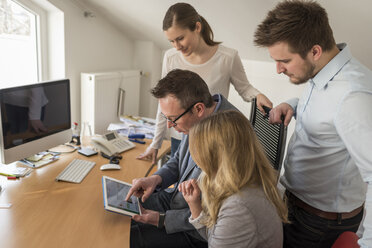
33 118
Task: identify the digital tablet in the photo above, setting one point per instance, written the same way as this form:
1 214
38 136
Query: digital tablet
114 193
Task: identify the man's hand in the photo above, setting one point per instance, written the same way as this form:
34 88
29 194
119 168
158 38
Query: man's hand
191 192
149 154
143 187
262 100
147 217
283 109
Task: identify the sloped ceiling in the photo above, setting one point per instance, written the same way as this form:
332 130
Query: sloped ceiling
234 21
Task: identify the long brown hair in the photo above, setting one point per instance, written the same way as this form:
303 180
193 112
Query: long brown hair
227 150
185 16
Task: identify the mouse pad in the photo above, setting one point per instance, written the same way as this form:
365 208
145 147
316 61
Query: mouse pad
114 193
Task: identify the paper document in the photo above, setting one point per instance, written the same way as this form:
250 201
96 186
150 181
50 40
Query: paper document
12 170
134 125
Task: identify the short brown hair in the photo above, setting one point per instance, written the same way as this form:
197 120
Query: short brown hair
301 24
187 86
185 16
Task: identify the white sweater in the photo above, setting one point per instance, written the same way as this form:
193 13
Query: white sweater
223 68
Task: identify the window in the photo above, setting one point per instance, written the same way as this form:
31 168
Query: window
18 44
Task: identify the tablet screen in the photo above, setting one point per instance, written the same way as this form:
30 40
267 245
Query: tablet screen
116 191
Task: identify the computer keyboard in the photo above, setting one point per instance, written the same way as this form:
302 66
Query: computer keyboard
76 171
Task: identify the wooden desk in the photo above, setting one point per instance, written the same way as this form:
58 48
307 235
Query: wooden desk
46 213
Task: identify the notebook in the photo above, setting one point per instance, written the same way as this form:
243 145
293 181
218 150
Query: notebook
12 170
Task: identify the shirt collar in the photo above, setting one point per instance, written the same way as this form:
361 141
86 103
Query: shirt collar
217 98
330 70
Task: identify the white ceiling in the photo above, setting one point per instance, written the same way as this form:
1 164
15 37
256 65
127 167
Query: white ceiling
234 21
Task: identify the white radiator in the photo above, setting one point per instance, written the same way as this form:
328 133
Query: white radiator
107 95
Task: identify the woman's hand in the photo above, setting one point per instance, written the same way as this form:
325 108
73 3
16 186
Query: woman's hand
191 192
262 100
149 154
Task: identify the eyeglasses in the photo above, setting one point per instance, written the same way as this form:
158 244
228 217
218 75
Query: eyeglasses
177 118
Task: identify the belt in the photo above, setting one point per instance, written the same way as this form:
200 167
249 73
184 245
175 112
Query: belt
323 214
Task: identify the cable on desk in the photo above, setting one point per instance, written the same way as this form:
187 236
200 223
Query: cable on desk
150 169
114 159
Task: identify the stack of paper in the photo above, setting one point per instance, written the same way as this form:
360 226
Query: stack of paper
134 125
12 170
40 159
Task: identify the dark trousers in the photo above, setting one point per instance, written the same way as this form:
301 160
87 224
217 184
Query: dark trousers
149 236
312 231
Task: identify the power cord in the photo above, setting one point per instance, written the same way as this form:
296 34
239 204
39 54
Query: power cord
114 159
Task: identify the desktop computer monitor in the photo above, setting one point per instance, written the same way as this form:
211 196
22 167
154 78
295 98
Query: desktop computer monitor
34 118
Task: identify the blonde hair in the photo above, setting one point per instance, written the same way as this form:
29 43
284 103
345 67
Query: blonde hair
226 148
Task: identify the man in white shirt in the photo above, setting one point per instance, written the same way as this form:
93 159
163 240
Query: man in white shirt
328 168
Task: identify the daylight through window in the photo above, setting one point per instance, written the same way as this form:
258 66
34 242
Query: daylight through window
18 44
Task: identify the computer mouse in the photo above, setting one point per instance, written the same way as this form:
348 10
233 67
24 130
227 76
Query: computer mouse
110 167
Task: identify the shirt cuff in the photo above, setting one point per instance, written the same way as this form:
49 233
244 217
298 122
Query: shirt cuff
293 103
197 222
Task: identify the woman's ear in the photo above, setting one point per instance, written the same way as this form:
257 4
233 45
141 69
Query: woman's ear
198 27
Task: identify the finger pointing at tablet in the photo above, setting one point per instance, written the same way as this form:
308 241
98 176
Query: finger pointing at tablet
143 187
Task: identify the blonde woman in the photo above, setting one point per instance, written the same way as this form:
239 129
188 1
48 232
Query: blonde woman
241 206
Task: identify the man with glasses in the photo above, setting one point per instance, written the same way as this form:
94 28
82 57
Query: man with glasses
184 100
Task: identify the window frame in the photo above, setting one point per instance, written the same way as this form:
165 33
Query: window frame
41 36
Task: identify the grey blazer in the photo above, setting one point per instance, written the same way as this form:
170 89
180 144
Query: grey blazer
180 168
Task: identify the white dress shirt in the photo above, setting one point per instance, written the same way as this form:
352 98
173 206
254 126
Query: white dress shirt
329 158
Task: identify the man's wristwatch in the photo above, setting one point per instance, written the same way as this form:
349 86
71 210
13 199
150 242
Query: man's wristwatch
161 220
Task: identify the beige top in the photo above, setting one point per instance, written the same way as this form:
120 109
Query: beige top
223 68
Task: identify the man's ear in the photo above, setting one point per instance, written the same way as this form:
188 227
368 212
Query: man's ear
200 108
316 52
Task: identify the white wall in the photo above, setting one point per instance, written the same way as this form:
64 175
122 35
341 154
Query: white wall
147 57
91 44
234 22
96 44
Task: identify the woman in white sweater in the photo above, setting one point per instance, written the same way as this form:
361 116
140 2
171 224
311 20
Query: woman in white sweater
195 50
240 205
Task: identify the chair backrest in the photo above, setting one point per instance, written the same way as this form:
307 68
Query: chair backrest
272 137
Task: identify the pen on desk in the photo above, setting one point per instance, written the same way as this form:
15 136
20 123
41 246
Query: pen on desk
136 136
7 175
137 141
27 162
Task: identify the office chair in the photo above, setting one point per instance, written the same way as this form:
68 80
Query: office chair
346 240
272 137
